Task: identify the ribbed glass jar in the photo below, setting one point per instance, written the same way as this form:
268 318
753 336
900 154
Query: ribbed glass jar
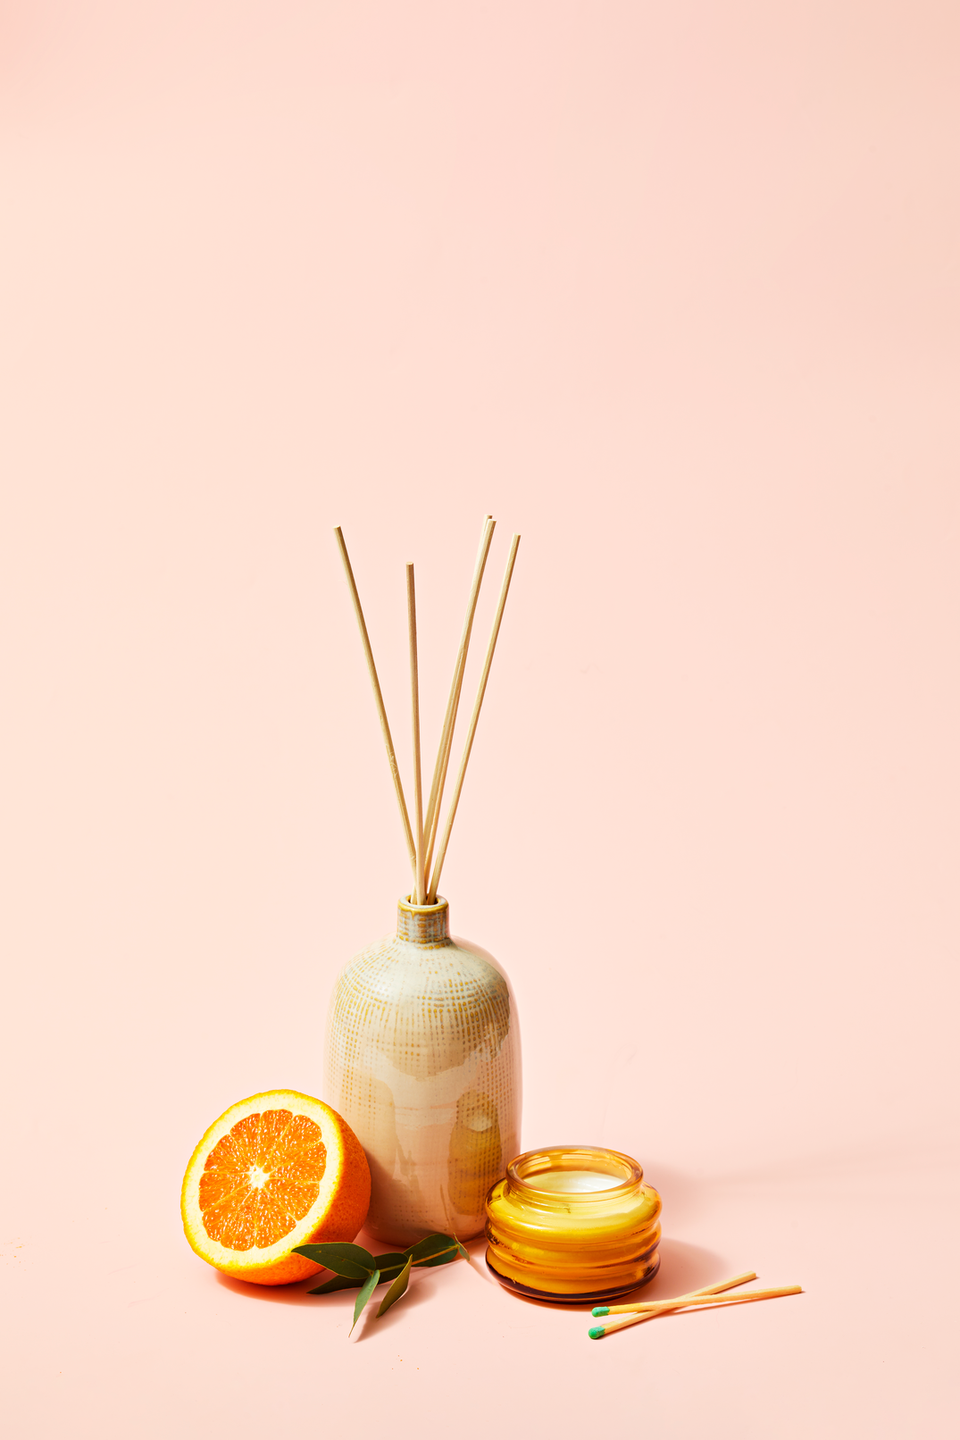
423 1062
573 1224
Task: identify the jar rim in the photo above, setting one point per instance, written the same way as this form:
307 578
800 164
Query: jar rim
624 1172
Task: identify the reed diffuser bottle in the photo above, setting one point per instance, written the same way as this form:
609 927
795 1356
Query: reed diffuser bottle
423 1062
422 1041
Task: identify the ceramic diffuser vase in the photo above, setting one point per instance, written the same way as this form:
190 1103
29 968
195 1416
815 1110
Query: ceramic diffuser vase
422 1042
423 1062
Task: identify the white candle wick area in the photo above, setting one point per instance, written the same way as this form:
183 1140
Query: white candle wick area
573 1182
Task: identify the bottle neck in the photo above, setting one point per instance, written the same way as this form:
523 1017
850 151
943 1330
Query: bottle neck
423 924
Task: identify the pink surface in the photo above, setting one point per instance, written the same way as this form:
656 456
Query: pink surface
672 290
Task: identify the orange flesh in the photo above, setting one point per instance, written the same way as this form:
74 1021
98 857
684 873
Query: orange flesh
261 1178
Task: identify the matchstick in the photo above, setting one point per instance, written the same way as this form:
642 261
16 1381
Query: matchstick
654 1306
621 1322
418 893
455 801
679 1299
378 697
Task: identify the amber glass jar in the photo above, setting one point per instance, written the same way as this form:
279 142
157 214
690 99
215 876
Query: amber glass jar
573 1224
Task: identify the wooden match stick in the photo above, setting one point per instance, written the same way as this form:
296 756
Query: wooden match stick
597 1332
418 891
455 800
677 1300
378 697
655 1305
432 817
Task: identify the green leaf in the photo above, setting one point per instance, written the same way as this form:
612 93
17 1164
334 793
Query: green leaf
373 1280
339 1282
343 1259
436 1250
390 1263
396 1289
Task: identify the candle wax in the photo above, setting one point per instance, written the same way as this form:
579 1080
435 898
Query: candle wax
573 1181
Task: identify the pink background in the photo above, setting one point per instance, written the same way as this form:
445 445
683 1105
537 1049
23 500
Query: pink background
672 290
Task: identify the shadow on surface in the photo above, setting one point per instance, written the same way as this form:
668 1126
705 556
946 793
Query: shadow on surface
295 1294
522 1299
298 1292
683 1268
422 1287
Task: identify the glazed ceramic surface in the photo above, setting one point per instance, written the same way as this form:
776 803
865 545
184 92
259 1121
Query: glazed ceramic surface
423 1062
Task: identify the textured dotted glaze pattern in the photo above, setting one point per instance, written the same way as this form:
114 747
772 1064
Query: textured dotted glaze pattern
423 1062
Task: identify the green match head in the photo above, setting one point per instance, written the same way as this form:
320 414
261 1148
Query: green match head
597 1332
601 1310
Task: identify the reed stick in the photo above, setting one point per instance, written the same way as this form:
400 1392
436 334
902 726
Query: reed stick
450 718
458 788
621 1322
418 890
678 1299
378 697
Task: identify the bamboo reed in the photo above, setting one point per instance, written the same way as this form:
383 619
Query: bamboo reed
432 817
419 882
378 697
471 732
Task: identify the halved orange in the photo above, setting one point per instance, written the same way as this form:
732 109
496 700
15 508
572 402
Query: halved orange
278 1170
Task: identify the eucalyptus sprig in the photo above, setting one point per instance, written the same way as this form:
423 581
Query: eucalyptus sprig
353 1267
